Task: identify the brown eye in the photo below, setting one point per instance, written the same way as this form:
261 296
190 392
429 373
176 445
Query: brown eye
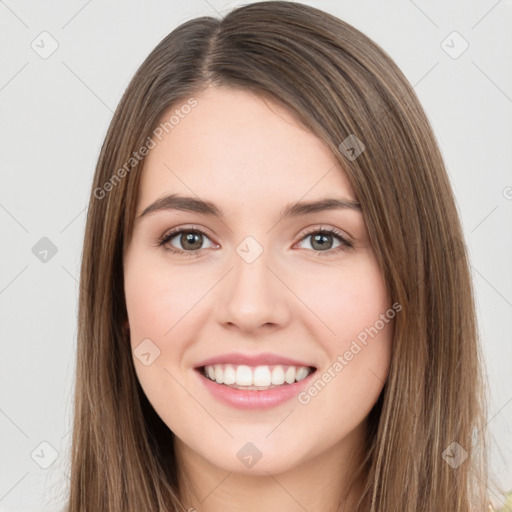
191 240
184 241
322 241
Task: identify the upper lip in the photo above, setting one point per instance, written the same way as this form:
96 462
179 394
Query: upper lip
264 359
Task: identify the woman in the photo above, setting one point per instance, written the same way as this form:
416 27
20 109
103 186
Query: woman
315 347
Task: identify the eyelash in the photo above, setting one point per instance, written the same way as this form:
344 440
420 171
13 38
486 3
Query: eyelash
345 243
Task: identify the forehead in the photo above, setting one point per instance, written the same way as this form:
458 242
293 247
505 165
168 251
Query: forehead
239 149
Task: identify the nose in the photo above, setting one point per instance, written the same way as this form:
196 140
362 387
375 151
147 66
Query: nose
253 296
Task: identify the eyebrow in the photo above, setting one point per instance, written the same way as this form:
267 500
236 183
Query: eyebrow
192 204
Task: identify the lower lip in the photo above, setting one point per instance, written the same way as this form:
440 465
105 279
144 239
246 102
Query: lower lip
254 399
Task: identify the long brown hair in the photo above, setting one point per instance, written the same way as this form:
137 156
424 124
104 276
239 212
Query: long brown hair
339 84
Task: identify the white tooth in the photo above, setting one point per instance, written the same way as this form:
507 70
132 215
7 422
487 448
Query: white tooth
229 374
211 372
290 375
277 376
261 376
243 376
301 373
219 374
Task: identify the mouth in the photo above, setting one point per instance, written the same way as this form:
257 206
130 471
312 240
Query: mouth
249 388
254 381
255 378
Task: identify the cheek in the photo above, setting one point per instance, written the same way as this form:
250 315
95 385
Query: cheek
163 306
158 298
344 391
346 301
157 303
354 325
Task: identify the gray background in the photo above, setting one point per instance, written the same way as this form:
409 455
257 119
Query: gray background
54 115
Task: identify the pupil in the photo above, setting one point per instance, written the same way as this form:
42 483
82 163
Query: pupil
189 238
322 244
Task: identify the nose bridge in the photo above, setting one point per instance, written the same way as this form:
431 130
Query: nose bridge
253 296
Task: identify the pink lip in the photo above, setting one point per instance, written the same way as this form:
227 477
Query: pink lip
252 360
254 399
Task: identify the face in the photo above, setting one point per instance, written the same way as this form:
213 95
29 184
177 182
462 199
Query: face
254 291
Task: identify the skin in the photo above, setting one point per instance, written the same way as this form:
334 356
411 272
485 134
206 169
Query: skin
251 157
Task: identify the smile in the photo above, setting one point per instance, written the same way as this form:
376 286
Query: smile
250 396
255 378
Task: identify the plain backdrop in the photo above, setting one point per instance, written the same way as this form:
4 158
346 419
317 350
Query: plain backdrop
63 68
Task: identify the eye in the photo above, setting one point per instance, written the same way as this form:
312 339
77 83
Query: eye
190 240
323 240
